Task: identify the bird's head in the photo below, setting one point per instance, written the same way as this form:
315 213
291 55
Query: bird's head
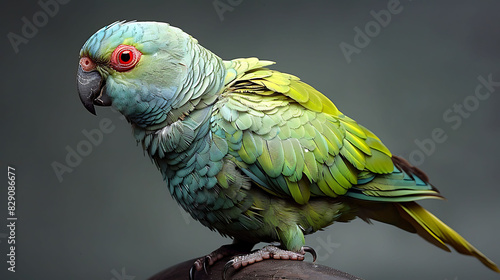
137 67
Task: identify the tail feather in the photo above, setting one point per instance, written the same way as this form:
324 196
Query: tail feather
436 232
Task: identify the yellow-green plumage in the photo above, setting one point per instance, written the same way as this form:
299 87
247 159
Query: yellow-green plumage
438 233
299 132
301 147
253 153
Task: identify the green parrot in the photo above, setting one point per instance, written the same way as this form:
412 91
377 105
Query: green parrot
253 153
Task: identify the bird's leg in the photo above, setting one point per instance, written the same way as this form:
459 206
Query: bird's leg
268 252
236 248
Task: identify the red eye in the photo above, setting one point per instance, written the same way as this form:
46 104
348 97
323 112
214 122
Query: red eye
125 57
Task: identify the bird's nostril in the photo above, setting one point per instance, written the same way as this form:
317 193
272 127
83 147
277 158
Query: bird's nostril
87 64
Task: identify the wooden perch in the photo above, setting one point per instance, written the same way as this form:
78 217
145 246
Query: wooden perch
268 269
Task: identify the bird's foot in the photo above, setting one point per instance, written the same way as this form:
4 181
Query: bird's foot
210 259
268 252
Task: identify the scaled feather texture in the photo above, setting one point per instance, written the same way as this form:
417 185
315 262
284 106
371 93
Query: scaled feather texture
253 153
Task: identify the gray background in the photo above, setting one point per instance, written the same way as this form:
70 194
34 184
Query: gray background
114 211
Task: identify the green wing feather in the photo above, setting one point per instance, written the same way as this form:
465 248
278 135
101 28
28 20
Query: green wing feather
295 142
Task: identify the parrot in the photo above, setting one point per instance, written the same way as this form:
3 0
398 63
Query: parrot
252 153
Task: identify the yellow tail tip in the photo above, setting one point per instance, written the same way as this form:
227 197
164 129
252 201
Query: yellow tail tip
438 233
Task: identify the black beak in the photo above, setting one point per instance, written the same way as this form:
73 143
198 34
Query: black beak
92 89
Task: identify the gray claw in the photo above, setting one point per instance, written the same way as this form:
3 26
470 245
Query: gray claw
226 267
192 271
310 250
207 259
